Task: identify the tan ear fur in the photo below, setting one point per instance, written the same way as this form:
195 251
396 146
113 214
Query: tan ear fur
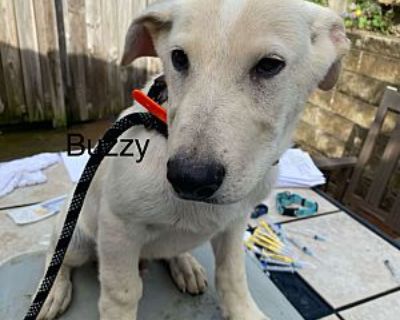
139 38
342 44
331 77
330 43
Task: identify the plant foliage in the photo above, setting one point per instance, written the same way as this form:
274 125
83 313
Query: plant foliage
367 15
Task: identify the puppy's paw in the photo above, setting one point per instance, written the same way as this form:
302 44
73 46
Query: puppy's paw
188 275
58 300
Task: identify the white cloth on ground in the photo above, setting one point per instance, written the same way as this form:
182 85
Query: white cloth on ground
25 172
297 169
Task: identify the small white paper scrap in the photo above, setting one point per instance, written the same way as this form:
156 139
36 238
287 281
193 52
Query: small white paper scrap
37 212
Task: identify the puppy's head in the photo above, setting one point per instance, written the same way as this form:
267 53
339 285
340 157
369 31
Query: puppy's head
239 73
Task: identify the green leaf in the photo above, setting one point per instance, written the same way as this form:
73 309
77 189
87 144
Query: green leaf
348 23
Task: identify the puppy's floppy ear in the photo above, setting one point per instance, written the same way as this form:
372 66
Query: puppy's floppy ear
329 44
331 77
139 41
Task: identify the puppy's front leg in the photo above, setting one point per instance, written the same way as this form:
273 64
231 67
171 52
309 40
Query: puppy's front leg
121 285
230 275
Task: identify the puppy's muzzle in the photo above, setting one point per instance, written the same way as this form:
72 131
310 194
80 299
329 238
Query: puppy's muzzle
196 180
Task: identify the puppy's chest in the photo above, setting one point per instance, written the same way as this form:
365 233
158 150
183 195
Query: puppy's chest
168 244
180 234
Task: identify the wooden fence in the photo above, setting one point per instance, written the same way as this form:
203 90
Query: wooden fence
59 59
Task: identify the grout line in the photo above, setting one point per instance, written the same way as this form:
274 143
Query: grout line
369 299
339 316
310 217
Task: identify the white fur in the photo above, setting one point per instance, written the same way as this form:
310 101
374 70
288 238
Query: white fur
230 11
218 109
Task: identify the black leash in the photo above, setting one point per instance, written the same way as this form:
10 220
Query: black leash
158 93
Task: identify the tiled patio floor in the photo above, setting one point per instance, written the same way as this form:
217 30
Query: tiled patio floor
348 270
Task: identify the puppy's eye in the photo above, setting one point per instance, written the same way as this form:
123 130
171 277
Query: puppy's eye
268 67
180 60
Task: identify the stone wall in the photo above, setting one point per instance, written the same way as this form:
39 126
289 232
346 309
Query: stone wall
335 123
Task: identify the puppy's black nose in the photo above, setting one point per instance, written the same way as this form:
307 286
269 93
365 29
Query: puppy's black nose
195 179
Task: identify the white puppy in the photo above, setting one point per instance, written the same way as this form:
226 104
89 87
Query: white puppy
239 73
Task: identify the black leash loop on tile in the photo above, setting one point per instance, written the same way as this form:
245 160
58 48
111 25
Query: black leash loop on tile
158 93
